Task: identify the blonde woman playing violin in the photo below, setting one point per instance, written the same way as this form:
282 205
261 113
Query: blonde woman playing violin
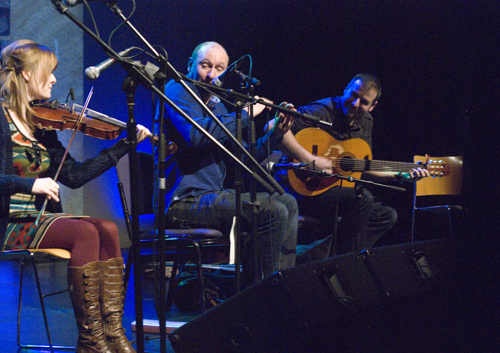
29 159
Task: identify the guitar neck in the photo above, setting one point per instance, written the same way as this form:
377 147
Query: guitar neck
365 165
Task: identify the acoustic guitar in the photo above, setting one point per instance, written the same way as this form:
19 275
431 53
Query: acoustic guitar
350 158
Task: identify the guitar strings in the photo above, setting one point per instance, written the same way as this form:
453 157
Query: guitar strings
360 165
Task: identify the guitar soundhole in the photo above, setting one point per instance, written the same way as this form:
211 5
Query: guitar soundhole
347 164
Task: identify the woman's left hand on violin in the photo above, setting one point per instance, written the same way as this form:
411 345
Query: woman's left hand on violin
142 133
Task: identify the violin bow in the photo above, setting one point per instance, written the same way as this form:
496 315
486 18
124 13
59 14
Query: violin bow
78 121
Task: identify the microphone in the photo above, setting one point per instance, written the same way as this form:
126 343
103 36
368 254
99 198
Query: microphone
93 72
247 78
275 167
219 80
72 3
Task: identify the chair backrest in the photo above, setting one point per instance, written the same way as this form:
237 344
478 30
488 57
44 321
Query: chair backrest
145 184
447 185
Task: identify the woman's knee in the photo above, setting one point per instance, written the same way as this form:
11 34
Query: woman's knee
87 232
102 225
106 230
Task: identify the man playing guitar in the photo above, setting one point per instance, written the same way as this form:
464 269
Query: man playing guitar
364 221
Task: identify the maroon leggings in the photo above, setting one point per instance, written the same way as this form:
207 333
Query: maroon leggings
87 239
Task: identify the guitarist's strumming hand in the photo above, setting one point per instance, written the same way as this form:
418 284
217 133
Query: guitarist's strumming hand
322 164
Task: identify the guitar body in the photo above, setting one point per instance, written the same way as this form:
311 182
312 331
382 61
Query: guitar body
320 143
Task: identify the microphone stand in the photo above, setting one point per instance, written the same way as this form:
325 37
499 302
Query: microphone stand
140 76
249 268
129 87
253 275
238 181
160 213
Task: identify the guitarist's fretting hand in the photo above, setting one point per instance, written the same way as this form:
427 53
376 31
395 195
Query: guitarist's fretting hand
413 175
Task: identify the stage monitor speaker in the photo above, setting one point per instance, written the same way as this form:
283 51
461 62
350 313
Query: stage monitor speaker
387 299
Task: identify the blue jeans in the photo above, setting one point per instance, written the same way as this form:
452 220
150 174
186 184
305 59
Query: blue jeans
276 217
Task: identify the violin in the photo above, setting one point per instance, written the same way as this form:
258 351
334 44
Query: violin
56 116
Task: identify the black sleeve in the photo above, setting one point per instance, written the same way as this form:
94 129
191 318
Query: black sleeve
75 174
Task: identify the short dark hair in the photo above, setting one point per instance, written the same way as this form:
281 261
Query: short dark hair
368 81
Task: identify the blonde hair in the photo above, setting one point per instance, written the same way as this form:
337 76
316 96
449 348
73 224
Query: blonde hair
23 55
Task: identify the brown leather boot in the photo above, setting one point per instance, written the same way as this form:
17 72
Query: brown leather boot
84 292
111 286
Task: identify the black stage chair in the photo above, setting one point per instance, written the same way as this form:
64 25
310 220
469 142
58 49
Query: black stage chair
185 244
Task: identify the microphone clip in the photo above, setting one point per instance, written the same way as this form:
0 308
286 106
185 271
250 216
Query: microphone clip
276 167
249 80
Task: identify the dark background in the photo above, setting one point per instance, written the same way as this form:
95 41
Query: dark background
437 61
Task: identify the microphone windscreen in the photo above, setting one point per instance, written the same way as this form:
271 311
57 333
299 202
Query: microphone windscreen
91 73
72 3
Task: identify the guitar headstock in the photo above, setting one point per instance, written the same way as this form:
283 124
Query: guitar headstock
438 168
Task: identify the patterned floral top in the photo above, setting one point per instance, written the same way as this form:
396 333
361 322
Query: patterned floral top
30 159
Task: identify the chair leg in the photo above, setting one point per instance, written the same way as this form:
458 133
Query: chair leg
42 302
21 270
448 209
413 213
172 284
42 305
128 268
199 270
199 273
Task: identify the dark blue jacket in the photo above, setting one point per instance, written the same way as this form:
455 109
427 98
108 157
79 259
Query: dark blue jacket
199 164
